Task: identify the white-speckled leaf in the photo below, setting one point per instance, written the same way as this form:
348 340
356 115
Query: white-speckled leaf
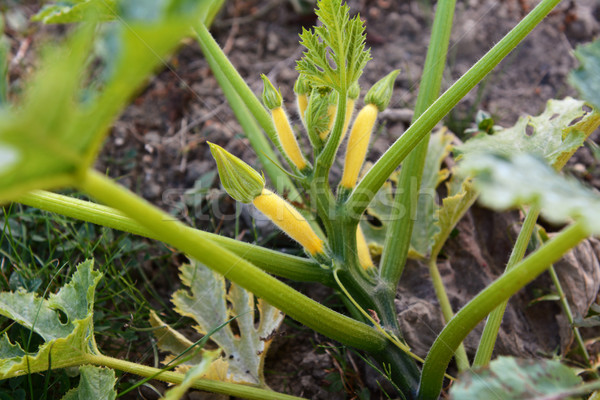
554 135
206 302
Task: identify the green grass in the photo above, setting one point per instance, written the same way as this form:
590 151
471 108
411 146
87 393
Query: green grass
39 251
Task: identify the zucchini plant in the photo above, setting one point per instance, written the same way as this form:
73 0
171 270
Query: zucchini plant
50 136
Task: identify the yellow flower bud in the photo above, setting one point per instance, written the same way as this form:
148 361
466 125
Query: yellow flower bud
289 220
331 111
302 103
287 138
364 254
358 144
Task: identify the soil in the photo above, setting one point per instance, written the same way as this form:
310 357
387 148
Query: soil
158 148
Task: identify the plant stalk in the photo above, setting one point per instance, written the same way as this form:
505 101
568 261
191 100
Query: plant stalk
231 266
397 240
276 263
228 388
500 290
462 360
258 141
391 159
215 55
492 325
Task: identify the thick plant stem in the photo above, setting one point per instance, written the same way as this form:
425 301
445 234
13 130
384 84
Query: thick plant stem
499 291
273 262
397 241
259 143
462 360
221 64
228 388
234 268
381 170
492 325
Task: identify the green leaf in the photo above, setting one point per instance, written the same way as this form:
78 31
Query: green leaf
508 378
335 51
510 181
77 11
94 383
59 124
554 135
425 227
586 78
66 342
461 196
207 303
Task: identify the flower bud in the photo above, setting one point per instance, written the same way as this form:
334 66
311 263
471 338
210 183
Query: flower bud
289 220
380 93
362 248
240 180
358 144
270 96
301 88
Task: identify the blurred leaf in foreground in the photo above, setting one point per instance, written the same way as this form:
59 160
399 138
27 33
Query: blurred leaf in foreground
508 378
510 181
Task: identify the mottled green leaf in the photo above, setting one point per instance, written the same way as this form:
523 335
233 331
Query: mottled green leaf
554 135
66 342
508 378
509 181
94 384
209 304
586 78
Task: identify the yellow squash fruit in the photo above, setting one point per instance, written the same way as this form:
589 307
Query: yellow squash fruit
289 220
364 255
287 138
358 144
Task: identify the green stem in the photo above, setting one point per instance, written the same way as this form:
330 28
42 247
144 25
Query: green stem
567 309
231 266
258 141
273 262
492 325
209 385
397 240
215 54
500 290
381 170
462 360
